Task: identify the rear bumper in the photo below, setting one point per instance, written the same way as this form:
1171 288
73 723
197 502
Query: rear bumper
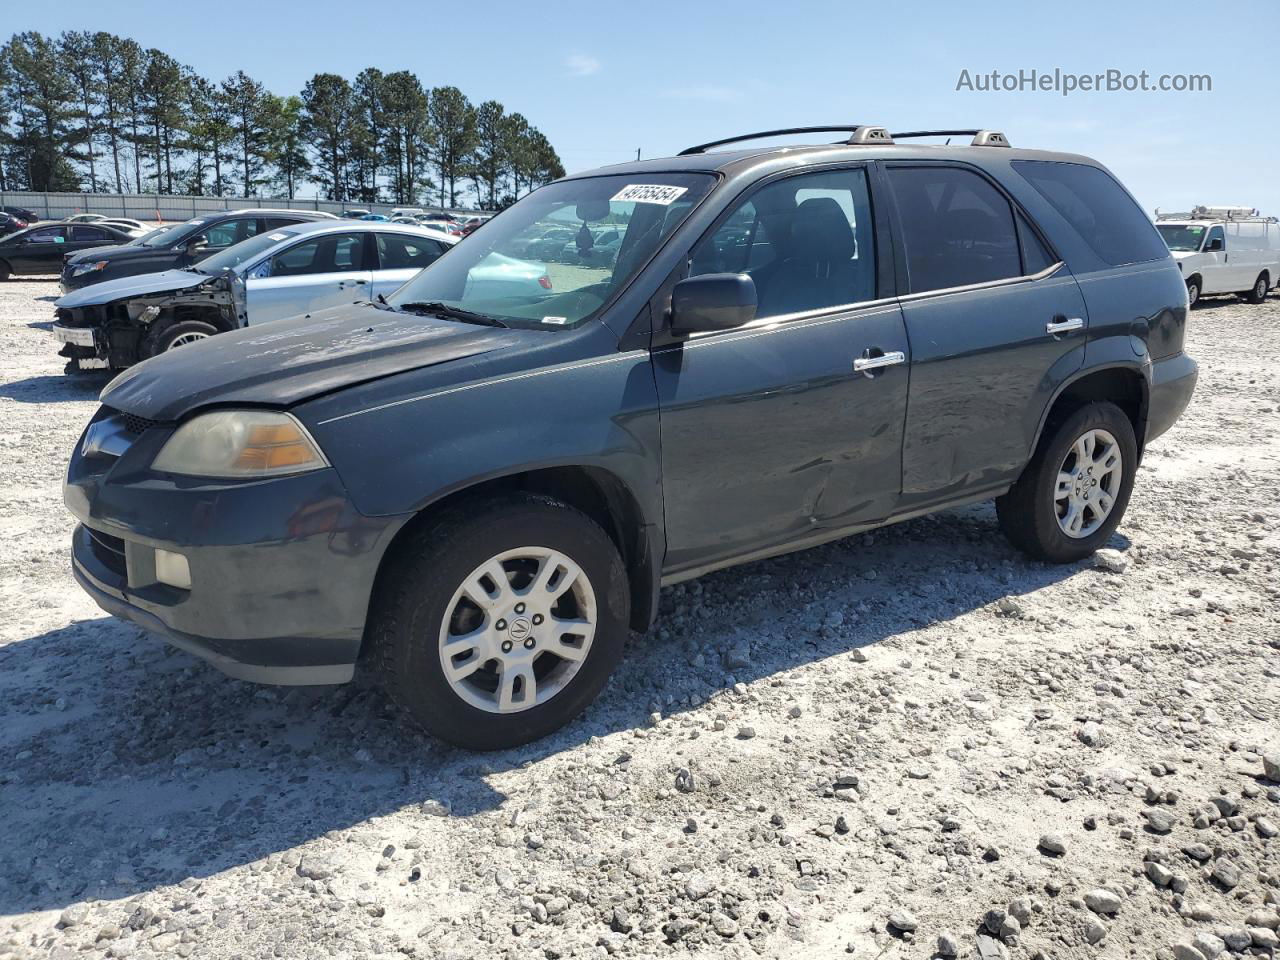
1173 380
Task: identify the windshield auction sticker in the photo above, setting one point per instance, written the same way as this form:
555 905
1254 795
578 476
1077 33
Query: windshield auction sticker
648 193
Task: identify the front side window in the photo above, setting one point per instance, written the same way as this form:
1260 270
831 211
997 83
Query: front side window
227 232
532 265
398 251
244 252
331 253
47 235
957 228
1098 209
806 242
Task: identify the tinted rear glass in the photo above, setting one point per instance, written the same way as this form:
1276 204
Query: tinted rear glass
1098 208
958 229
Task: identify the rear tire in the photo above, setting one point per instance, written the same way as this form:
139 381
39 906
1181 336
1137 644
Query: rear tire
178 334
4 271
1065 486
1259 292
503 661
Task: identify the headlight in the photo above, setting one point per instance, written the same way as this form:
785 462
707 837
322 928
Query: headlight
240 443
82 268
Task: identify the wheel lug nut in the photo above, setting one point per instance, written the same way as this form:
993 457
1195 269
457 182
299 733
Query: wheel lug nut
519 608
537 619
501 625
530 644
506 646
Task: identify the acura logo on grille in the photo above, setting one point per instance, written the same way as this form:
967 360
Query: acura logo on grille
520 629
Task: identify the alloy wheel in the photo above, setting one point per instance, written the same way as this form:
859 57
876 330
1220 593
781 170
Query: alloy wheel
1088 483
183 339
517 630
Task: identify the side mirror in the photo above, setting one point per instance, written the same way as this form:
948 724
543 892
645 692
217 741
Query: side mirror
713 301
196 246
1214 244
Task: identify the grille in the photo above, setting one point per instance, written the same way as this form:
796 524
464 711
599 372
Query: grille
109 550
135 424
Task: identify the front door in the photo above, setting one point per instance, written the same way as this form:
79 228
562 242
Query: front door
775 433
41 251
315 273
995 322
1214 268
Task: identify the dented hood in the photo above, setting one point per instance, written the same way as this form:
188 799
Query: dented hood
287 361
126 288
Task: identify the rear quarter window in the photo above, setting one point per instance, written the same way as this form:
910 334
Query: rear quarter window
1097 208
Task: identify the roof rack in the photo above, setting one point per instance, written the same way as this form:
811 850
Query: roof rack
981 138
858 133
1216 213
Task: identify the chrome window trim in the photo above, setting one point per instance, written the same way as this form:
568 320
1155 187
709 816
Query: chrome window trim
1044 274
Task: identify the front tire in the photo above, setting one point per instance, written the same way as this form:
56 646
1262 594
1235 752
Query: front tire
1193 292
178 334
4 271
500 621
1074 492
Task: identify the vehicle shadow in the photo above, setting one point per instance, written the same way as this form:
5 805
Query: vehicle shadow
56 388
132 766
40 325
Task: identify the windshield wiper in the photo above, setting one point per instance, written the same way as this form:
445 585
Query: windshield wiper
453 313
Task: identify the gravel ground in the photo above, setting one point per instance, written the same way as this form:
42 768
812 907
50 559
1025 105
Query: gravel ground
894 746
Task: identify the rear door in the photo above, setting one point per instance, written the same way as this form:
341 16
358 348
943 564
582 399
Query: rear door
86 236
40 251
400 257
310 275
996 323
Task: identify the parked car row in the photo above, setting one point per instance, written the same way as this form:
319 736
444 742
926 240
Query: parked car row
477 483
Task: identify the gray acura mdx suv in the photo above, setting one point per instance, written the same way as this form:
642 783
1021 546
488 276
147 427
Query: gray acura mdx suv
477 495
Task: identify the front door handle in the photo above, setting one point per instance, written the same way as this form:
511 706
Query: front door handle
351 282
867 363
1057 326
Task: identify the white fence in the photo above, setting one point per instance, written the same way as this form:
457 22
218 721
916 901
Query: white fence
159 206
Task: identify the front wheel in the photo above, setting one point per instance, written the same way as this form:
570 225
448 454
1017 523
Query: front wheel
179 334
500 621
1193 292
1072 495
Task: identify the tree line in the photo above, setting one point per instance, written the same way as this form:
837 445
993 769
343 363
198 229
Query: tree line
97 112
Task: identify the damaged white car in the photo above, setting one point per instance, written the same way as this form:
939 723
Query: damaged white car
294 270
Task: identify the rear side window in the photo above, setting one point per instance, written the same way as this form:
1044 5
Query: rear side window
89 233
1097 208
957 228
396 251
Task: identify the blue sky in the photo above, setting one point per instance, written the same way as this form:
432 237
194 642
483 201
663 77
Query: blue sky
602 79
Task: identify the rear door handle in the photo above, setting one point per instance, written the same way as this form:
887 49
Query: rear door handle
867 363
1055 327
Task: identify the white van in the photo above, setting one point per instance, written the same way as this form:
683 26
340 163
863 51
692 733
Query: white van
1224 250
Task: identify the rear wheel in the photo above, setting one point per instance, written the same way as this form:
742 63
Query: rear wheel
179 334
1073 494
1259 292
4 271
501 621
1193 291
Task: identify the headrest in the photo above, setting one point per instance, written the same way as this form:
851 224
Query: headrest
820 232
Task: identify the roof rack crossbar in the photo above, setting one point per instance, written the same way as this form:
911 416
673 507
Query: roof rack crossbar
858 133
